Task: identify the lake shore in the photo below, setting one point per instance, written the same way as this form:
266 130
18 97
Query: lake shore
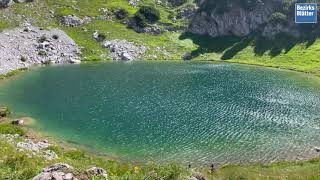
253 170
82 160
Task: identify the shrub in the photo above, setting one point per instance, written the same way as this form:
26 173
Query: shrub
140 19
55 36
42 39
278 17
121 13
42 53
23 59
4 111
11 129
177 2
150 13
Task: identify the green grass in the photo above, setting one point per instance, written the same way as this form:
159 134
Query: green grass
18 165
11 129
283 170
12 73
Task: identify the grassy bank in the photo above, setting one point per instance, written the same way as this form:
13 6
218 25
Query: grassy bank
18 165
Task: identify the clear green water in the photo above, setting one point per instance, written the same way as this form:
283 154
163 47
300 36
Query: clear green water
195 113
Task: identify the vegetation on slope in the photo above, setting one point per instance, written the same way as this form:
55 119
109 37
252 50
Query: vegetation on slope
18 165
283 52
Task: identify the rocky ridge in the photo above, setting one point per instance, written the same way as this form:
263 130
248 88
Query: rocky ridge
237 21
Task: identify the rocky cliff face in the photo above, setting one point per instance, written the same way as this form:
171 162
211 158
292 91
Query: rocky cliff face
236 20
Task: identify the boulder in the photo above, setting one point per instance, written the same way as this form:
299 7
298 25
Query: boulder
134 3
31 146
124 50
49 155
71 21
317 149
99 37
187 56
96 171
56 172
58 167
74 60
5 3
18 122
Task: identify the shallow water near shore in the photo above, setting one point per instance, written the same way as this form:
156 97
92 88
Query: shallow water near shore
197 113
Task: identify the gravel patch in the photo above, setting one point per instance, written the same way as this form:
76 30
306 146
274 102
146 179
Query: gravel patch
27 46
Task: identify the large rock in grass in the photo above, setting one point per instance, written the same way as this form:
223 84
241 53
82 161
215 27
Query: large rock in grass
96 171
57 171
124 50
5 3
71 21
4 111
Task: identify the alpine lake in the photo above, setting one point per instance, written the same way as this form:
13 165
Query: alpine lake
187 112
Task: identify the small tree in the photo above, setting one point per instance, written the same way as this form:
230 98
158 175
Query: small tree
140 19
278 18
150 13
121 13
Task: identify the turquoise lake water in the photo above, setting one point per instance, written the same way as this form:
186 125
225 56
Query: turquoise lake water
197 113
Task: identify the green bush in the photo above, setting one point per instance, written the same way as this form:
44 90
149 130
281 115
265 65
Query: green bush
278 17
4 111
177 2
121 13
146 15
140 19
11 129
